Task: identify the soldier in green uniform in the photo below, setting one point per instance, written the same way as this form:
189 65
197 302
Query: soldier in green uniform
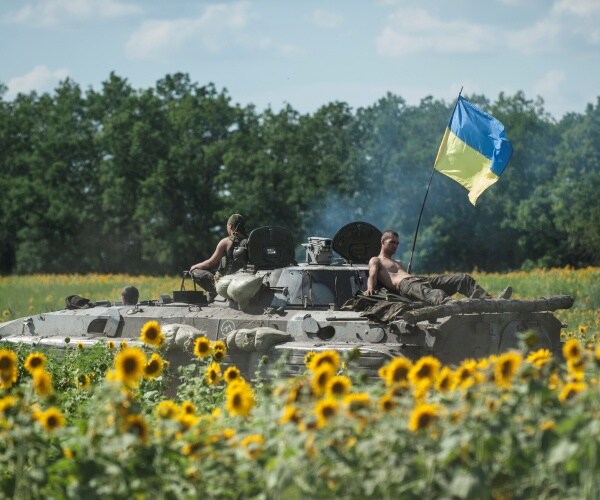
225 259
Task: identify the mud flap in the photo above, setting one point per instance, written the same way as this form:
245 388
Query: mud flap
112 323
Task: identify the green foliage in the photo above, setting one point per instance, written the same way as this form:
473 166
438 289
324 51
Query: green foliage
142 180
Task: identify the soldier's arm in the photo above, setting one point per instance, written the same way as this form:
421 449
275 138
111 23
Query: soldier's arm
373 272
214 260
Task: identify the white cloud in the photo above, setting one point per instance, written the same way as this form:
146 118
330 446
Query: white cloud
53 12
415 30
410 31
550 85
538 37
219 27
579 17
578 7
40 79
325 19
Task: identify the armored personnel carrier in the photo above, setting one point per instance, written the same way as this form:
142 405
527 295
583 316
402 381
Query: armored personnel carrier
281 309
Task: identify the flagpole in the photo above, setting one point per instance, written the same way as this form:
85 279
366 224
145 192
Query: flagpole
412 252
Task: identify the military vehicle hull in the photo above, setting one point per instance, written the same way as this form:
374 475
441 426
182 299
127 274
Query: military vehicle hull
301 308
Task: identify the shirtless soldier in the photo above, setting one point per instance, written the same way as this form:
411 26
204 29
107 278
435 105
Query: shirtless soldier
434 290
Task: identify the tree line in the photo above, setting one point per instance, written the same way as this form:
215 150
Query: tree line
142 180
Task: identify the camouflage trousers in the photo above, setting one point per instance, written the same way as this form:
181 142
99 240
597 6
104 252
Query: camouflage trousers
436 290
205 279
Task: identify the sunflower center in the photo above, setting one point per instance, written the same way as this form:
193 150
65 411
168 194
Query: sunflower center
236 400
506 369
400 374
130 366
424 420
5 363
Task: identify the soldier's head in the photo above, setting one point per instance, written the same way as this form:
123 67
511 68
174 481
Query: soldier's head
389 234
389 241
236 224
130 296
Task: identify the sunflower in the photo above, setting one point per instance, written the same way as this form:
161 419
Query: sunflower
51 419
219 345
325 410
553 381
218 355
572 350
186 421
290 413
136 424
539 358
506 367
308 357
8 379
202 347
8 362
213 373
576 366
423 416
338 386
300 390
320 378
252 445
240 399
357 403
466 374
188 408
80 345
445 381
232 374
111 345
151 334
154 367
397 371
331 358
399 389
83 381
42 383
130 364
571 390
34 361
387 403
167 409
424 370
8 402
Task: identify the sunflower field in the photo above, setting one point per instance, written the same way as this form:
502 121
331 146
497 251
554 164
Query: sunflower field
103 421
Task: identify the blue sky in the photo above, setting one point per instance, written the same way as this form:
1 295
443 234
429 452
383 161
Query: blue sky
308 53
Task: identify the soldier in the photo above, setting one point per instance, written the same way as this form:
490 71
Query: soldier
130 296
225 258
434 290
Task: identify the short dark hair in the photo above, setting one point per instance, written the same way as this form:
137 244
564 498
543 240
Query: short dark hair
388 233
130 295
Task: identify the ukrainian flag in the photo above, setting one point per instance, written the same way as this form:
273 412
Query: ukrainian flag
474 151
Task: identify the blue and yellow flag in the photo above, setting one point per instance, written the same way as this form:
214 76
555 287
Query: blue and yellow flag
474 151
